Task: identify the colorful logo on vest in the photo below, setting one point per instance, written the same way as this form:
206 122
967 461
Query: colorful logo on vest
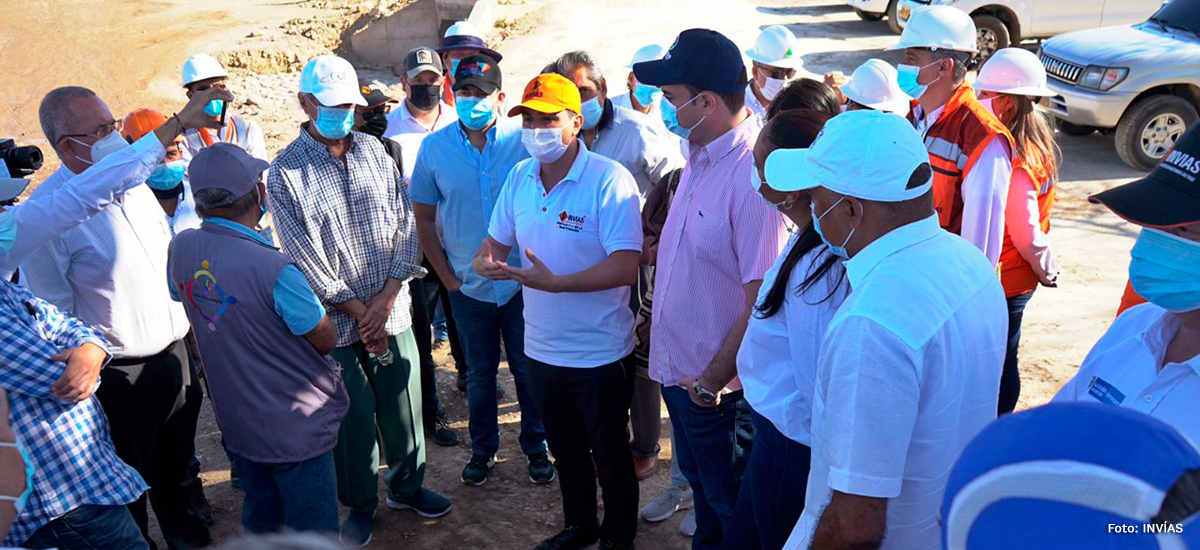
204 294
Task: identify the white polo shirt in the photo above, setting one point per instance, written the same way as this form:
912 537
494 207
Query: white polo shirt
1123 369
587 216
777 361
405 129
909 373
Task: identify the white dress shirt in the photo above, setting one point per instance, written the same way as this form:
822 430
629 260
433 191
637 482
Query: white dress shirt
1126 368
909 373
46 215
753 104
405 129
655 116
1022 220
777 361
185 212
109 270
984 191
630 138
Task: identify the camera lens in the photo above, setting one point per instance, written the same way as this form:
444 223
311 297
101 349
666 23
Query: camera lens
22 161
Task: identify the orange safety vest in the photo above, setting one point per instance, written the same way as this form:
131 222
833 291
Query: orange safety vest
235 131
955 141
1016 275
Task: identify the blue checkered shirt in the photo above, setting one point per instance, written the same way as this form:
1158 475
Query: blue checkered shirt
73 457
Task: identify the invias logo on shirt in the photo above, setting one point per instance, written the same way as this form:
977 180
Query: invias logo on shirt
570 222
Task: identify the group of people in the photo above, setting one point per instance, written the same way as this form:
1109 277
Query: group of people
827 339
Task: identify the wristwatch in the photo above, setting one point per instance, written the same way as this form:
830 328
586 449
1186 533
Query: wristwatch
706 396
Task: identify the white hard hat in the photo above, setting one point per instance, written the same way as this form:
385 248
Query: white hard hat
1014 71
939 28
776 46
649 52
463 28
202 67
874 85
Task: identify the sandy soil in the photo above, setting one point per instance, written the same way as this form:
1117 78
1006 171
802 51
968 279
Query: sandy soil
130 52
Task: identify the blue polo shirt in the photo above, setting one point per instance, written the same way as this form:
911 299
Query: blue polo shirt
464 183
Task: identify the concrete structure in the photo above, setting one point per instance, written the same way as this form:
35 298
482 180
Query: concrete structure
385 41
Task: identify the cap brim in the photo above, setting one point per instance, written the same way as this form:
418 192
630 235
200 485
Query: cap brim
1151 203
413 72
898 106
1032 91
655 73
495 55
259 166
786 171
331 98
793 63
482 84
11 188
538 105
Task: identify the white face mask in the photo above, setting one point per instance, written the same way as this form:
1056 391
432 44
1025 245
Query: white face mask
544 144
104 146
987 104
772 87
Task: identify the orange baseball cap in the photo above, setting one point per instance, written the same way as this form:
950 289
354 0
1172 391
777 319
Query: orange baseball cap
549 93
141 122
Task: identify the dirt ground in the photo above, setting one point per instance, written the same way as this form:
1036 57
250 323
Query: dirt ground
130 53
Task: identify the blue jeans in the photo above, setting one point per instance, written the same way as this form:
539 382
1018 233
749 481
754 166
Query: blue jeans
712 445
480 327
1010 378
299 496
772 494
90 527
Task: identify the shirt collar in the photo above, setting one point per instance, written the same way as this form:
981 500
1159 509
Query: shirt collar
491 133
719 148
311 142
1157 336
406 114
606 119
246 231
861 265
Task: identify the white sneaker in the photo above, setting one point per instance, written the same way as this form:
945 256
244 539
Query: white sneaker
669 501
687 527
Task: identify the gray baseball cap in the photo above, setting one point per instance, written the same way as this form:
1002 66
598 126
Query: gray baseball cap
420 60
225 166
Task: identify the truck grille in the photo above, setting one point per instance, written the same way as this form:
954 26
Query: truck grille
1061 70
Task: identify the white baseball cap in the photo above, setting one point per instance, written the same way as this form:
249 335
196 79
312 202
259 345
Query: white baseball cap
649 52
776 46
864 154
874 85
202 67
332 80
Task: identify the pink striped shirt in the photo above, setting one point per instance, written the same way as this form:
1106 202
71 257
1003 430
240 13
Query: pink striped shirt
719 235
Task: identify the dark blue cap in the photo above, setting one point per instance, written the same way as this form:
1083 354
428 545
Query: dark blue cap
461 42
702 58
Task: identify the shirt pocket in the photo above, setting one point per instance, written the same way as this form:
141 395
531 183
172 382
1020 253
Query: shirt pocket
706 233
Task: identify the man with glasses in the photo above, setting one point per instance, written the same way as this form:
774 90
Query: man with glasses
108 273
775 60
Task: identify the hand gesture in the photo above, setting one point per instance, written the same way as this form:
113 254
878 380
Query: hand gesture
536 276
193 116
79 379
483 264
835 80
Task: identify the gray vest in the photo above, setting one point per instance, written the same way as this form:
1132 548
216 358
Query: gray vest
276 400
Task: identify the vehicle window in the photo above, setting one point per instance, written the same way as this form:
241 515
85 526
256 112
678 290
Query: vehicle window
1183 14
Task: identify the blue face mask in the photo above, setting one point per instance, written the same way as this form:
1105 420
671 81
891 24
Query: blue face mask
334 122
8 230
1165 269
214 107
263 209
475 112
646 95
454 66
592 112
20 500
906 77
670 116
167 176
839 251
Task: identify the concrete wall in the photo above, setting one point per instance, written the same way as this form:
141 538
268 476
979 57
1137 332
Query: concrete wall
385 41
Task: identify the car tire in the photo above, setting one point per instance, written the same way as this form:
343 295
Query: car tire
867 16
991 34
1149 128
893 16
1074 129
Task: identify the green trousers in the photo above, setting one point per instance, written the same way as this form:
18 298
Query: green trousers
387 397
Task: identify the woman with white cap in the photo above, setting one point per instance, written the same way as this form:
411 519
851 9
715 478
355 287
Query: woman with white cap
775 61
873 86
1008 84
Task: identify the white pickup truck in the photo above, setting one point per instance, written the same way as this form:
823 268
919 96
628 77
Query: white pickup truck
1000 23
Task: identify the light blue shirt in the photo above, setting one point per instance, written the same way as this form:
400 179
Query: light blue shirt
295 301
464 183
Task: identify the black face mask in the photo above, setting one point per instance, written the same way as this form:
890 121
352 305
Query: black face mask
375 123
425 97
167 194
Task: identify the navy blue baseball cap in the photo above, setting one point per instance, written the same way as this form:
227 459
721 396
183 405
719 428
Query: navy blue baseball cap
702 58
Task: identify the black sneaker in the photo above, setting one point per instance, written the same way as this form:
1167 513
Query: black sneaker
461 384
438 431
426 504
571 538
476 471
356 530
541 471
606 544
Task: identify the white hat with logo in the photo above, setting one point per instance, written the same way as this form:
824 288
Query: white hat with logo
332 80
870 155
649 52
874 85
776 47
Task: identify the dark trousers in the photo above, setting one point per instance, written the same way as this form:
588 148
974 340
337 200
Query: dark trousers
90 527
772 493
482 326
712 445
298 496
1010 379
586 412
436 293
423 333
152 405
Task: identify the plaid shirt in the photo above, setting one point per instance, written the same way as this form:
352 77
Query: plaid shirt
349 227
73 457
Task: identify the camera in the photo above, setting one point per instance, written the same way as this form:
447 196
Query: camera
16 163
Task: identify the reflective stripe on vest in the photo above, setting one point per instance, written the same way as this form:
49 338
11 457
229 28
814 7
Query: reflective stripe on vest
945 149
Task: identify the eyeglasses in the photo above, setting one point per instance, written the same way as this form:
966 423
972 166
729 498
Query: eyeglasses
775 72
103 130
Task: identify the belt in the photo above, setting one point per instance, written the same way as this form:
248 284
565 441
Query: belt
130 361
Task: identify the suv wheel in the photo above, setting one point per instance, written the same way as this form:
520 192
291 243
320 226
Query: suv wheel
867 16
1150 127
893 16
991 35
